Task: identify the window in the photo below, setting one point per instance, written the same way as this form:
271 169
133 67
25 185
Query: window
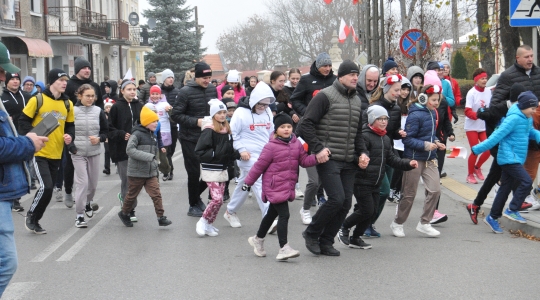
35 6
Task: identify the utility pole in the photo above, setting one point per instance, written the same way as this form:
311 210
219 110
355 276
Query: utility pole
455 28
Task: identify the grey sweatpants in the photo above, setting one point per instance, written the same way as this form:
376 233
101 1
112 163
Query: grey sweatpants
430 174
85 180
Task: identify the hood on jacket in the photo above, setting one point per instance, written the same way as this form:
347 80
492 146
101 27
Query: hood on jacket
114 87
514 110
414 70
81 81
260 92
41 85
417 106
163 99
405 81
315 72
362 79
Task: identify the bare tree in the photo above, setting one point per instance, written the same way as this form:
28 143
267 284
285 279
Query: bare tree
487 56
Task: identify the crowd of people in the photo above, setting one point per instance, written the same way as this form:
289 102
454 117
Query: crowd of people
374 133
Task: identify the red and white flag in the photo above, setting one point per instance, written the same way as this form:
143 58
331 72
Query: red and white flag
444 46
458 152
353 33
354 2
327 1
343 31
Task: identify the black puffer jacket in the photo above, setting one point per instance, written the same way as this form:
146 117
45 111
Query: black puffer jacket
394 122
444 125
516 74
123 116
216 150
191 104
381 154
144 94
75 83
308 84
15 103
170 93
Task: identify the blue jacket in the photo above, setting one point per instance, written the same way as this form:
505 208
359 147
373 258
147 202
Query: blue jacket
13 152
513 137
420 128
448 93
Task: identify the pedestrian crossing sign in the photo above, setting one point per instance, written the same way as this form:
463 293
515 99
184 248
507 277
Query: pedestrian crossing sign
524 13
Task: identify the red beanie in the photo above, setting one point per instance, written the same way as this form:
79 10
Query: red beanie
155 89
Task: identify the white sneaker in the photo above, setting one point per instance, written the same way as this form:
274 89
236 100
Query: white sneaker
287 252
536 206
397 229
273 228
209 230
201 226
58 194
305 215
427 229
232 219
298 192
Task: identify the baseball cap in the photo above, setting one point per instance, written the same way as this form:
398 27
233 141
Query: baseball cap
5 62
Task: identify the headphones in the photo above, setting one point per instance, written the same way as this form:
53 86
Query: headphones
423 98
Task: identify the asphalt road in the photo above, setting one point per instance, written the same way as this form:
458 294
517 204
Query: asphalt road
110 261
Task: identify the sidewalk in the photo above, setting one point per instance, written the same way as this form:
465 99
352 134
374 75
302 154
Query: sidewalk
456 187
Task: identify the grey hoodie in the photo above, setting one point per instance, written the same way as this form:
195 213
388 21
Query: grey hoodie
413 70
361 86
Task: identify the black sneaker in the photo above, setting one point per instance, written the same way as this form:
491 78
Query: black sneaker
107 171
358 243
125 219
163 221
329 250
17 206
29 222
88 211
94 206
132 216
171 175
165 177
226 195
80 223
343 236
38 229
312 244
195 211
33 186
201 205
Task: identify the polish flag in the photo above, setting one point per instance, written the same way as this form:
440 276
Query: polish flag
327 1
354 2
343 31
458 152
444 46
353 33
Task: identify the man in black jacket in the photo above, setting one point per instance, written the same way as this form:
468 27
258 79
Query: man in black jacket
332 126
523 71
144 93
170 92
189 109
83 72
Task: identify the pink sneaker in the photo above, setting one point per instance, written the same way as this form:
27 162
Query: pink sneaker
471 179
478 173
438 218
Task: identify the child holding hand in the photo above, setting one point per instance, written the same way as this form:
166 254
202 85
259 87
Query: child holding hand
278 165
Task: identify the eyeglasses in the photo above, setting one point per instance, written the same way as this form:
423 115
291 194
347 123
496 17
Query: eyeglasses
263 104
382 119
29 84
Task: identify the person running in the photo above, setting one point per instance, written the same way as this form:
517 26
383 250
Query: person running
216 152
475 129
47 161
421 144
513 138
142 149
278 164
91 128
251 127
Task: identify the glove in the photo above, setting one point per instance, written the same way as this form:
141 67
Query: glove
246 187
454 114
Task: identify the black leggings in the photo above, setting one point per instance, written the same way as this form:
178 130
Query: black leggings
274 210
395 182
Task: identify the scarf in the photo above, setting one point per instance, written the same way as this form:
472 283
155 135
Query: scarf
379 132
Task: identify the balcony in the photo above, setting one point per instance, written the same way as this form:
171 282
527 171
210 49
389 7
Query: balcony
13 18
139 37
118 32
73 20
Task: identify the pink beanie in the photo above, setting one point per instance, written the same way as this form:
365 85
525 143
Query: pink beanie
432 78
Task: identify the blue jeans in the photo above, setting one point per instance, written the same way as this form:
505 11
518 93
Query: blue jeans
8 251
513 175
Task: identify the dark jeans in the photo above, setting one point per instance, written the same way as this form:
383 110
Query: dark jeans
274 210
441 155
107 165
172 147
193 169
384 192
66 172
59 178
46 170
338 181
511 174
492 178
367 198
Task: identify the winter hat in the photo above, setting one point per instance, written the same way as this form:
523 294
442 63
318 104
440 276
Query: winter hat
233 76
515 90
5 62
323 59
147 116
202 70
432 65
281 119
41 85
125 83
81 63
155 89
405 83
216 106
10 76
444 62
226 88
432 78
389 81
347 67
389 64
28 78
109 102
151 74
56 74
527 99
229 102
374 112
151 106
166 74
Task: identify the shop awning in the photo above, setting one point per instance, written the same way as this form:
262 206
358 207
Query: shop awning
37 48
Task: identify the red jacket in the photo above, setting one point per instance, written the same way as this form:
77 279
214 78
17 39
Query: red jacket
455 90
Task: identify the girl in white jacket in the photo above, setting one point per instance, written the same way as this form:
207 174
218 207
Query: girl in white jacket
251 126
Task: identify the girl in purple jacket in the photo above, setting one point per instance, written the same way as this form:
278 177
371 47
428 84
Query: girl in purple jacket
278 165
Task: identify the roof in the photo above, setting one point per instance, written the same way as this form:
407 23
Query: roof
215 62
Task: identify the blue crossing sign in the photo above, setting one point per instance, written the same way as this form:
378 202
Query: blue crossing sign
524 13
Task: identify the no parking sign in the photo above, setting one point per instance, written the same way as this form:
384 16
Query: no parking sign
407 43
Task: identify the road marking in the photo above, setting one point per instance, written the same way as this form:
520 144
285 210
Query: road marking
459 188
88 236
17 290
54 246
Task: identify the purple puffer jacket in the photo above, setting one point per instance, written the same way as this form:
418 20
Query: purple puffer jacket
278 165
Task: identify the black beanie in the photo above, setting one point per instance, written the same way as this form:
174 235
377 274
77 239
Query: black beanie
432 65
281 119
56 74
347 67
226 88
515 90
202 70
389 64
10 76
81 63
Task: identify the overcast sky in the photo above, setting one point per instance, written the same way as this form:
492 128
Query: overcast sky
217 16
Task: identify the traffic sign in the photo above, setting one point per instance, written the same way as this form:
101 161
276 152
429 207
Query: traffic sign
407 43
524 13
